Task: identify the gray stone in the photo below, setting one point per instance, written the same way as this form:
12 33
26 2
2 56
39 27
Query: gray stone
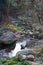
26 52
7 37
27 57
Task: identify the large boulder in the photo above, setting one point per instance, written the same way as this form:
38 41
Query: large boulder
7 37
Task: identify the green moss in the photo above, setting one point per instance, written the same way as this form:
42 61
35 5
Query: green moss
19 28
13 61
3 60
26 63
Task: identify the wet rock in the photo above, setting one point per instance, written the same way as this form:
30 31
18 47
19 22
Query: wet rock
7 37
27 57
30 57
22 47
26 52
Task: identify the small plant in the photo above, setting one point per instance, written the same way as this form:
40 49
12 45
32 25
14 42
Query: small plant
40 63
26 63
13 61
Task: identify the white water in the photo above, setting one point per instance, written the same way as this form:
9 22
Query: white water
17 48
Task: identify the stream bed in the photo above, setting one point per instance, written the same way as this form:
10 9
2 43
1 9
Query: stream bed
12 50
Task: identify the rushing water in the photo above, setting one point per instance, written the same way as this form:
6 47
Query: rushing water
17 48
13 51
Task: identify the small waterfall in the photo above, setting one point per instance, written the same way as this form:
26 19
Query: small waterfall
17 48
